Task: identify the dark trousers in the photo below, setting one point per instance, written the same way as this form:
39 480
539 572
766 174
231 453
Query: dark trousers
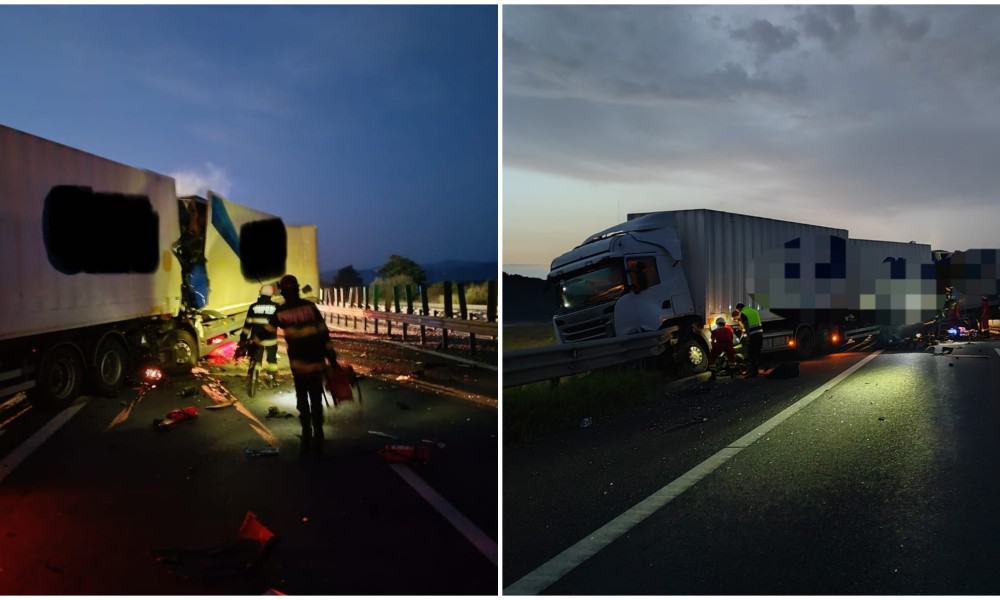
756 342
309 396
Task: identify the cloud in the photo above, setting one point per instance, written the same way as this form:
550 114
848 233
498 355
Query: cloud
199 180
867 118
835 26
887 20
766 38
637 55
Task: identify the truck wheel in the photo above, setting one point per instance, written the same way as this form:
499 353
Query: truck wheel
692 357
110 362
60 376
805 342
183 352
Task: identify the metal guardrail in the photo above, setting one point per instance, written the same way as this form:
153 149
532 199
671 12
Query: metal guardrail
354 315
560 360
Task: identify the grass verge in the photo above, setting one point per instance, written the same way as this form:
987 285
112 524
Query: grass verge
539 408
516 337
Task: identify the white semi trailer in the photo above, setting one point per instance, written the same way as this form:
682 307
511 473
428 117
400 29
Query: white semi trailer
682 269
103 266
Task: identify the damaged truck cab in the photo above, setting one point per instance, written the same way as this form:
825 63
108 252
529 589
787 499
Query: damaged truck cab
626 280
106 268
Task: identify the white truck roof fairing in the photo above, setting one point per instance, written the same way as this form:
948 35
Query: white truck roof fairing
631 236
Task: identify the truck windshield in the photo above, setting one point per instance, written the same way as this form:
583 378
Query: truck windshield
600 283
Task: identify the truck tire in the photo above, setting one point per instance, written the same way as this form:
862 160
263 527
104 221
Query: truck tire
691 357
60 376
182 352
805 342
110 366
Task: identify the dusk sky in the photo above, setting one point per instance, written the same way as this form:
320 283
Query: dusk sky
879 120
378 124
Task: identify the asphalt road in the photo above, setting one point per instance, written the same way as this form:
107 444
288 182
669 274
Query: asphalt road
884 484
85 511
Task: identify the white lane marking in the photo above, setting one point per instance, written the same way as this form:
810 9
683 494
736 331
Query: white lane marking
467 528
555 568
15 458
997 350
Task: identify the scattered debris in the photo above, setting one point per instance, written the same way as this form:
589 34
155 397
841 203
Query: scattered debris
273 412
189 391
259 452
178 415
404 453
881 418
228 560
586 422
383 435
440 445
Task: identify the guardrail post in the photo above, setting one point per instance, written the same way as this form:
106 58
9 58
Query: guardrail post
491 301
395 303
447 313
423 303
463 311
357 295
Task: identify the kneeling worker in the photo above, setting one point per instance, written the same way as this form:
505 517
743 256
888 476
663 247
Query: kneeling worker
722 342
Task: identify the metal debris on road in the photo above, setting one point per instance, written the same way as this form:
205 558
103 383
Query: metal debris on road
189 391
440 445
259 452
382 434
273 412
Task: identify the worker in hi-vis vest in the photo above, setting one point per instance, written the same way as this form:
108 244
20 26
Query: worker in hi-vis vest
754 328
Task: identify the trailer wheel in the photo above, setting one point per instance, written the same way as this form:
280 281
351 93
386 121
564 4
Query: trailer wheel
183 351
692 356
110 362
805 342
60 376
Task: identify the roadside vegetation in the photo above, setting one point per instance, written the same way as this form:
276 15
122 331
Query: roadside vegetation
527 335
539 408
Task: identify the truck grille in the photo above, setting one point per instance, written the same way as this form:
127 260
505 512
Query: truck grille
587 324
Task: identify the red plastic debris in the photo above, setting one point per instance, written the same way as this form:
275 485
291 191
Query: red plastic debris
403 453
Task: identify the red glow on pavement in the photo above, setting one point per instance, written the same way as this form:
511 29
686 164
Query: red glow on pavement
222 354
152 374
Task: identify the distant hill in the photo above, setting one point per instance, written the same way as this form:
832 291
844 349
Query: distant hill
528 300
446 270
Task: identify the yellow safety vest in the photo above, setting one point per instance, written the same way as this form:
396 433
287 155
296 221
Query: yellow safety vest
753 320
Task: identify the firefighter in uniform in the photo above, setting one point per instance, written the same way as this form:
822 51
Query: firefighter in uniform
309 347
257 329
754 328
